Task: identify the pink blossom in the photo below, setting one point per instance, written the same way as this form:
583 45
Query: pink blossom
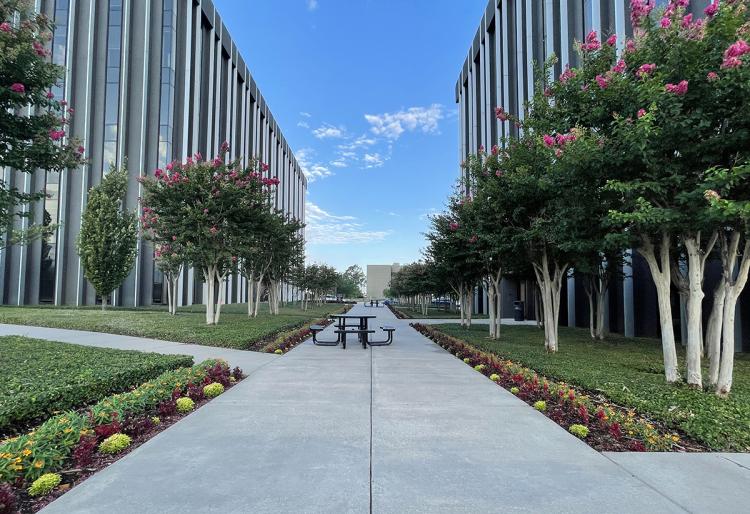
665 22
639 9
611 40
64 103
498 173
620 67
548 140
5 26
686 21
630 46
225 146
39 49
264 166
50 95
18 88
592 42
547 92
734 52
645 70
213 230
495 149
567 74
712 9
558 152
81 149
641 113
678 89
500 114
56 135
712 76
473 239
453 226
481 148
205 211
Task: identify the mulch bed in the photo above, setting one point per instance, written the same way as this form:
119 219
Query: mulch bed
398 313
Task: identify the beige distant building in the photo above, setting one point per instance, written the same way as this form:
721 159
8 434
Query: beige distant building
378 279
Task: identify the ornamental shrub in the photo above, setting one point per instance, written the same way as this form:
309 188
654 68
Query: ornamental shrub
45 484
541 405
7 499
480 367
185 404
213 390
579 431
494 377
114 444
467 360
279 351
514 390
155 420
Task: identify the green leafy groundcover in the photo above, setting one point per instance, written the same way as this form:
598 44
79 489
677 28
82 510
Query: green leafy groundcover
629 372
42 377
46 449
235 329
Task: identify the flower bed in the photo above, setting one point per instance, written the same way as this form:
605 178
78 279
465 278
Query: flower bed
608 427
76 444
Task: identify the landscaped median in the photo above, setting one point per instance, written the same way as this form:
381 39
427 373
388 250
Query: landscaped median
587 414
236 329
42 377
38 466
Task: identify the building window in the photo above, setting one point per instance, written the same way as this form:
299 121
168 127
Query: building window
50 215
112 86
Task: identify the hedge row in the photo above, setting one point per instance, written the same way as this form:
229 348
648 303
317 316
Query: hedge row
42 377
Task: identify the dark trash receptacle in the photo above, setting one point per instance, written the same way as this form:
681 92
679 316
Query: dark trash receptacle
518 311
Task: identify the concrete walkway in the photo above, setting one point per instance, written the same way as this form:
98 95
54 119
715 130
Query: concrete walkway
248 361
405 428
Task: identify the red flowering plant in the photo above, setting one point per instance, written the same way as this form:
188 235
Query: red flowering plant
207 209
33 124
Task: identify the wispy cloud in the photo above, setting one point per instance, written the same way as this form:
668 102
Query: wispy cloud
313 170
312 5
303 124
305 114
392 124
361 142
324 228
373 160
327 131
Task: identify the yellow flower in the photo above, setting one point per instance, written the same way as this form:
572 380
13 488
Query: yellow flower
675 438
26 452
38 464
68 430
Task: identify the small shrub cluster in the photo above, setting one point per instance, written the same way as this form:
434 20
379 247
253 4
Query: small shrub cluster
185 404
45 484
76 435
213 390
114 444
616 428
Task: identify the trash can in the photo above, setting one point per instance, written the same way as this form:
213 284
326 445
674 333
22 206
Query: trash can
518 310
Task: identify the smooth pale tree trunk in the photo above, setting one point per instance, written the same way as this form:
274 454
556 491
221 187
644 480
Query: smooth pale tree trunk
713 333
490 286
601 300
734 287
222 295
104 302
588 288
209 276
469 305
498 304
258 290
550 283
250 296
659 266
696 257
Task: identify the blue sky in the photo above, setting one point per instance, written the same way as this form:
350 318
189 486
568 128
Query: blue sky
363 91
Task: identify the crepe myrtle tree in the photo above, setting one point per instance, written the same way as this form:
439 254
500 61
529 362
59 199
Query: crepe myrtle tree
690 76
208 207
33 124
109 235
453 253
286 248
413 282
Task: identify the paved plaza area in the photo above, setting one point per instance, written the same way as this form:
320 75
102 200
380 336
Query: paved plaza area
401 428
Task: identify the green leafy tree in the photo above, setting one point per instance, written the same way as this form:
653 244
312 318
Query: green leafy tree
207 208
351 281
108 237
32 122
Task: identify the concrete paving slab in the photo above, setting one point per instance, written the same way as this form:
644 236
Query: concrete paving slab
702 482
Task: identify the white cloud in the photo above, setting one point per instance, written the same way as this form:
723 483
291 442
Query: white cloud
305 114
392 125
326 228
374 160
327 131
339 163
313 170
312 5
303 124
361 142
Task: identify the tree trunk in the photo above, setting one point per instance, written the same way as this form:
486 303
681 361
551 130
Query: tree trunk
250 296
713 332
222 295
498 303
696 266
209 274
660 274
491 305
104 302
734 288
588 285
601 300
258 288
550 285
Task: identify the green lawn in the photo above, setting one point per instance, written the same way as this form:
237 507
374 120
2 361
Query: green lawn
42 377
235 329
629 372
433 313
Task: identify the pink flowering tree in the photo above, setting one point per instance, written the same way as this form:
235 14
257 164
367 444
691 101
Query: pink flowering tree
689 76
33 124
206 208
